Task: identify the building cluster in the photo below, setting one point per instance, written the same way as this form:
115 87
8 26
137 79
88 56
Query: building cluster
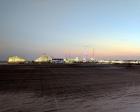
48 59
16 59
119 61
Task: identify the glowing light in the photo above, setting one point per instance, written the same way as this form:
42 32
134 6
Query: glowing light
43 58
76 59
16 59
91 60
84 60
69 60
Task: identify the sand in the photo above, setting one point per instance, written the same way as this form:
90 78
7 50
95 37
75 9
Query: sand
69 88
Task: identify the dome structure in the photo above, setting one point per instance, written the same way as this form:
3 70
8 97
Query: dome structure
69 60
43 59
16 59
72 60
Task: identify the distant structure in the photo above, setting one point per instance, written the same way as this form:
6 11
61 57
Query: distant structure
72 60
69 60
88 54
91 60
16 59
84 60
58 60
92 54
43 59
77 60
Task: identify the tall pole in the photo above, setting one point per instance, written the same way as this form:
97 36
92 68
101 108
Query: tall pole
93 53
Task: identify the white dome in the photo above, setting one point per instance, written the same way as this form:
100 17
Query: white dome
16 59
43 58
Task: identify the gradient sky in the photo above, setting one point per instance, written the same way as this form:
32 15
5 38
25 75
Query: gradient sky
59 28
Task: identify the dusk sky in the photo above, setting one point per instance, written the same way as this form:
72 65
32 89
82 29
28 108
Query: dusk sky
62 28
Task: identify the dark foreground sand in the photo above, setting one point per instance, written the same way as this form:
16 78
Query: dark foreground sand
69 88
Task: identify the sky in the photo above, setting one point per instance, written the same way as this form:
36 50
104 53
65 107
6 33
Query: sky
105 29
